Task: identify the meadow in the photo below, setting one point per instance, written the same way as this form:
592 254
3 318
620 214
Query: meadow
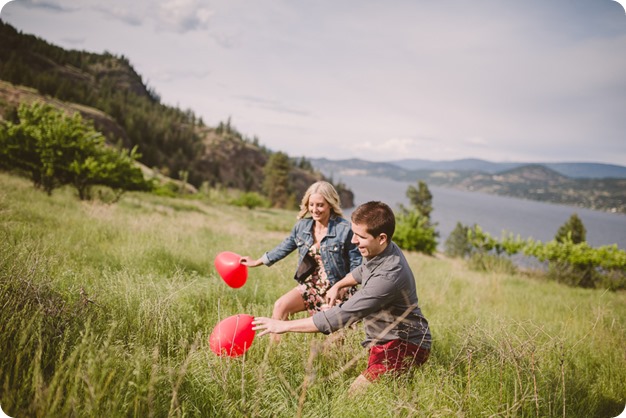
106 310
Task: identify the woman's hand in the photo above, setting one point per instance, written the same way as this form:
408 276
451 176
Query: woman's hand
248 261
334 294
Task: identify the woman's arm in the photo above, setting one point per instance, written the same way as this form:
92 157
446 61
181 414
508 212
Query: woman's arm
281 251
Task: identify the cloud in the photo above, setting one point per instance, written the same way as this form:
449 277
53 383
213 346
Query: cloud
272 105
183 15
43 4
172 75
122 13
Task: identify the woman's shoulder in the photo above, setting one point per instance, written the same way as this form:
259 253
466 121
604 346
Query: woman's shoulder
341 223
303 223
340 220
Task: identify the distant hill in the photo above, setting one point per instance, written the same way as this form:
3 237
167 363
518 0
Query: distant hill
542 182
573 169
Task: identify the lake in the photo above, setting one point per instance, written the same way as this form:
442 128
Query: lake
494 214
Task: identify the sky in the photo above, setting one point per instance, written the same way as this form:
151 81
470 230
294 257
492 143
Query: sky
500 80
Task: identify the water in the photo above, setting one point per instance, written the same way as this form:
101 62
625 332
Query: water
494 214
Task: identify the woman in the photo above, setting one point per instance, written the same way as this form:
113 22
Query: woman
326 236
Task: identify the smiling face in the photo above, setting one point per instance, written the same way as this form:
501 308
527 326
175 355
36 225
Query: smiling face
369 245
319 208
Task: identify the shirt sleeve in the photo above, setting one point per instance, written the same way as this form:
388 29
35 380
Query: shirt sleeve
357 273
282 250
374 296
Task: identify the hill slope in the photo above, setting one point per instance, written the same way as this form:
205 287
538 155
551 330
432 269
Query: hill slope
574 170
107 90
107 311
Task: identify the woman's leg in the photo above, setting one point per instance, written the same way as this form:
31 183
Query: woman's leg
289 303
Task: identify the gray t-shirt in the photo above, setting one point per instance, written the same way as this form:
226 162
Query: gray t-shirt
386 301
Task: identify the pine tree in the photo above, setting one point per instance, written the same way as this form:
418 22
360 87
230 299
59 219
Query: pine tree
573 230
276 182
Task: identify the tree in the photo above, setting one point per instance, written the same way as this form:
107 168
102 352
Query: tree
421 198
414 233
573 230
276 181
56 149
458 244
414 230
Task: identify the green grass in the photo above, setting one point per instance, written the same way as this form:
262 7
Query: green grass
107 310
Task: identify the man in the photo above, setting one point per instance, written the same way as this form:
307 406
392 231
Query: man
396 331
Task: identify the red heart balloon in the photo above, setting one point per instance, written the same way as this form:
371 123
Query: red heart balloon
232 336
230 269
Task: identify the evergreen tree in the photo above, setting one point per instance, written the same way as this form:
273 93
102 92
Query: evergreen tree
421 199
414 230
276 181
458 244
573 230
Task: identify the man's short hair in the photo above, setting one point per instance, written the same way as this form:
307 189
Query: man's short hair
377 217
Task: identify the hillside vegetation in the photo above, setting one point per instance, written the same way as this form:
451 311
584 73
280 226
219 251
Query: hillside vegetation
107 90
107 311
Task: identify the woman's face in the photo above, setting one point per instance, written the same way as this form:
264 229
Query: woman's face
319 208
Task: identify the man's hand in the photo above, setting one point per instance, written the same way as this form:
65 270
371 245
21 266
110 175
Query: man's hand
276 326
269 325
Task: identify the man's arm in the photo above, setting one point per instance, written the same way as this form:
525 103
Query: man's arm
276 326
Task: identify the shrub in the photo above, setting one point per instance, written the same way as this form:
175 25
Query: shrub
457 244
414 233
55 149
251 200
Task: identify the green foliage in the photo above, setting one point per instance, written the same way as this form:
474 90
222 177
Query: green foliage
414 233
421 199
572 230
457 244
55 149
166 136
251 200
576 264
276 185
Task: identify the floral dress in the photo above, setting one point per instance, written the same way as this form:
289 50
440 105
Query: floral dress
314 288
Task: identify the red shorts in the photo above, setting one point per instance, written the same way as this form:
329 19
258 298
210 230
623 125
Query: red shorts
395 356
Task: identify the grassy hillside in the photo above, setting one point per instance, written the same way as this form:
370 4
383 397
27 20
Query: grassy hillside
107 310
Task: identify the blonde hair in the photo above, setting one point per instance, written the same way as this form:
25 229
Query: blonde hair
327 191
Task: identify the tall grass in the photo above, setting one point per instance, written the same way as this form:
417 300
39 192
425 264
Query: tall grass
107 310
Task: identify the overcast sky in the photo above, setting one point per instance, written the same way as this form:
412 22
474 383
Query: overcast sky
502 80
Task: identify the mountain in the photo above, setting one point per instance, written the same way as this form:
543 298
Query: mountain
575 170
527 181
107 90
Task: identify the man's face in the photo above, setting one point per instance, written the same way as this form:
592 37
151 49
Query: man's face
369 246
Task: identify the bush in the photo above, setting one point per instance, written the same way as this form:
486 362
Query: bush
414 233
457 244
251 200
55 150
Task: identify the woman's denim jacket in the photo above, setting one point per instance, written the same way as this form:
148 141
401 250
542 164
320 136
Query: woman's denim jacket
339 255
